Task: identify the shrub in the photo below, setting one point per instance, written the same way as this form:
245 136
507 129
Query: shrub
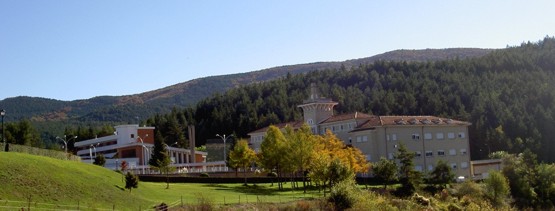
204 203
344 194
131 181
99 160
272 174
204 174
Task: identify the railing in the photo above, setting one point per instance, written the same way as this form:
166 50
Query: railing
42 152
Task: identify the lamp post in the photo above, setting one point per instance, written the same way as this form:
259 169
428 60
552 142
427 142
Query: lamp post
2 113
224 138
94 149
143 151
65 140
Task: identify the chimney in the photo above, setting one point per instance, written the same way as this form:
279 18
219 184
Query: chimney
192 143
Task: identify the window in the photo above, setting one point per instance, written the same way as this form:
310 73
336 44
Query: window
427 136
418 168
333 128
364 138
341 127
359 138
392 137
452 152
429 153
415 136
430 167
461 135
439 136
368 157
440 153
454 165
450 135
464 165
310 121
350 125
418 154
132 135
390 156
463 151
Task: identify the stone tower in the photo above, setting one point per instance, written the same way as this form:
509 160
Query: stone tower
316 108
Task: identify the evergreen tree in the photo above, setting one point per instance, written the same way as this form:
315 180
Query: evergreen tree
442 174
131 181
99 160
159 158
408 176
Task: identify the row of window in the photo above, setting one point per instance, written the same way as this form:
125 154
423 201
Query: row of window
463 165
428 136
418 154
339 128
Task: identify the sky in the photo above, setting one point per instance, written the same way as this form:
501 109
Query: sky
78 49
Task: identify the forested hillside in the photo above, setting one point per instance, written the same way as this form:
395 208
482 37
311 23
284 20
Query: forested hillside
507 95
115 109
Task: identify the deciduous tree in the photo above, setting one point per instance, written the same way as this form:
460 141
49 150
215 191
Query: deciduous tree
386 170
242 156
272 151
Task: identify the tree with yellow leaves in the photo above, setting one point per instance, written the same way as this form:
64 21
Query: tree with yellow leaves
272 152
300 149
241 157
331 153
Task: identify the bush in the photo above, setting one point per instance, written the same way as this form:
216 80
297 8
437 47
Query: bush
204 174
204 203
272 174
344 195
131 181
99 160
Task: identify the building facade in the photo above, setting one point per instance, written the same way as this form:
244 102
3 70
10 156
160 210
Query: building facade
430 138
133 144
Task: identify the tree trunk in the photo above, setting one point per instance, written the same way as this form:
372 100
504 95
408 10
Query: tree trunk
167 179
245 174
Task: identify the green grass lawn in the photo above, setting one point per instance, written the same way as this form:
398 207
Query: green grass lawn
52 183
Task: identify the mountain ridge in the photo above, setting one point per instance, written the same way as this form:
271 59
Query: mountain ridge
189 92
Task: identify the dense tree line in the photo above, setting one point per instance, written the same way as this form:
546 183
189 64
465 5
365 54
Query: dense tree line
507 95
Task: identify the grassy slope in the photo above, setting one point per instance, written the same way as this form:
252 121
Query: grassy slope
53 181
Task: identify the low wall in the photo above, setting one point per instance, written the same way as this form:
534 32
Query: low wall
195 178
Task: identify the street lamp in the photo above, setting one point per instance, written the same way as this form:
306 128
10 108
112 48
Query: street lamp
2 113
224 138
65 140
143 151
94 149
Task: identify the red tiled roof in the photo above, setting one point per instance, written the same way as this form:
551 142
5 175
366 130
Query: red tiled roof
294 125
419 120
343 117
377 121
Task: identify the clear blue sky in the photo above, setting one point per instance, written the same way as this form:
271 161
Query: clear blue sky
78 49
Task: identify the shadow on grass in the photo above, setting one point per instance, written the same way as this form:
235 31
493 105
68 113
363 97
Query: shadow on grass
118 187
256 189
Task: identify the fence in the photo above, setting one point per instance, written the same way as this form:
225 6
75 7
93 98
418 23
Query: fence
42 152
30 205
201 200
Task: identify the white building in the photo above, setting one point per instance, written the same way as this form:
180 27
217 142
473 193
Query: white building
133 144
